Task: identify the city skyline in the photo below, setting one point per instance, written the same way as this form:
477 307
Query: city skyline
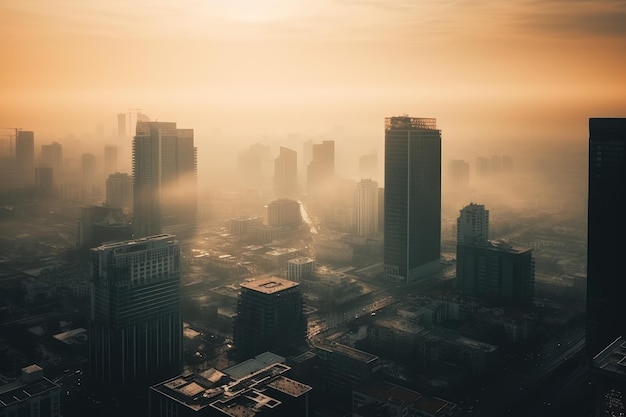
320 65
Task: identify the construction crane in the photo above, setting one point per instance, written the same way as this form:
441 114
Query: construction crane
16 129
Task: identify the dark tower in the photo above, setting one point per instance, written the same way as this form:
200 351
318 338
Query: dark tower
412 198
606 233
135 322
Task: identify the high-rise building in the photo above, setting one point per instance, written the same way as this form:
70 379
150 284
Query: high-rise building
483 166
496 270
52 156
459 174
135 322
286 173
472 225
270 316
110 159
366 207
121 126
321 169
164 178
412 198
606 229
368 165
119 191
25 156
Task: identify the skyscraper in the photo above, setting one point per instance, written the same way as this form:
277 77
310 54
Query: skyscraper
606 229
412 198
164 177
472 225
25 156
286 173
135 322
119 191
88 165
321 169
110 160
366 207
52 156
270 316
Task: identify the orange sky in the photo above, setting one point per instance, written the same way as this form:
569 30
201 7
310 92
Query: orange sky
535 69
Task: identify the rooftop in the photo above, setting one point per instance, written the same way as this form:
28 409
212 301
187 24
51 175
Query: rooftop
612 360
30 384
155 238
269 285
406 122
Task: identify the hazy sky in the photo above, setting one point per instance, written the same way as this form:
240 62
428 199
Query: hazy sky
535 69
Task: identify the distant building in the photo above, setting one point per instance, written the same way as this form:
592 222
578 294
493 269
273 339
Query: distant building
321 169
368 165
122 132
483 166
472 225
256 386
269 317
458 175
52 156
300 268
164 178
412 198
366 207
88 166
25 156
286 173
243 225
98 225
496 270
119 191
135 323
30 395
606 228
110 159
284 212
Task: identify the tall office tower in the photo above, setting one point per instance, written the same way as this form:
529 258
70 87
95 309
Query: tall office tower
321 169
164 177
483 166
366 207
606 228
459 174
121 126
307 153
472 226
496 270
119 191
412 198
286 173
284 212
110 160
25 156
269 317
368 165
135 322
52 156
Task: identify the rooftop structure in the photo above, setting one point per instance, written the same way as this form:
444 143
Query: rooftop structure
214 392
31 391
269 285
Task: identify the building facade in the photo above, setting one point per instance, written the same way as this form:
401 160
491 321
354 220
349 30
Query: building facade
412 198
472 225
284 212
496 270
270 316
286 173
25 156
135 322
606 229
119 191
366 208
164 178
